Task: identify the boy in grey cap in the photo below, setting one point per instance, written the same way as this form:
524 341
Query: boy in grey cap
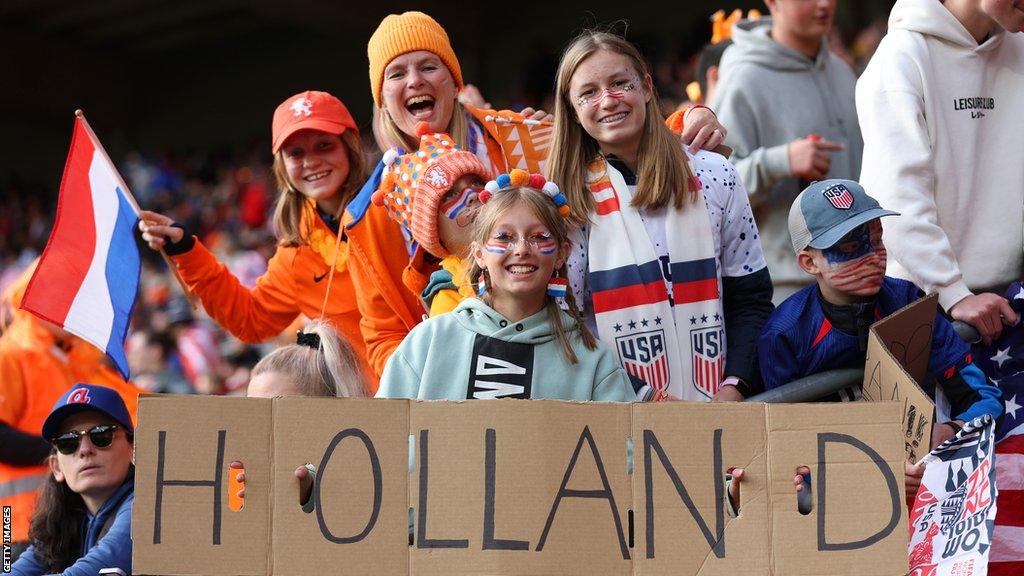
836 230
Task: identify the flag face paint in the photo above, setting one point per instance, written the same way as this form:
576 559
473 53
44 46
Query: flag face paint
544 243
617 91
854 245
856 264
459 204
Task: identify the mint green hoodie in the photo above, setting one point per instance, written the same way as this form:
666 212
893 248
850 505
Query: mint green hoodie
474 352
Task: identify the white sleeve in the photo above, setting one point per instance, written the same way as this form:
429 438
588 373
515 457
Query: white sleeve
732 221
899 171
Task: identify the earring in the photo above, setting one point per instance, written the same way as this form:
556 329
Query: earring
557 286
481 284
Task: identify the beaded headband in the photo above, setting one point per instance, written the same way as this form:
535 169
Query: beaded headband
517 178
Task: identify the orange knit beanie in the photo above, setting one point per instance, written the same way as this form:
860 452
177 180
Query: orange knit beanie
408 32
413 184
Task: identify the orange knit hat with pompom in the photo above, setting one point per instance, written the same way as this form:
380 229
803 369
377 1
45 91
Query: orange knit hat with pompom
413 184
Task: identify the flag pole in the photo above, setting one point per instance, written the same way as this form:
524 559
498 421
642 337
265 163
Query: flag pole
135 206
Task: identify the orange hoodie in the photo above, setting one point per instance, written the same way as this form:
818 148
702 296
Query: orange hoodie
295 283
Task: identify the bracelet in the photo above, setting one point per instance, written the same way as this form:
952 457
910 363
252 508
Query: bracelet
694 107
957 428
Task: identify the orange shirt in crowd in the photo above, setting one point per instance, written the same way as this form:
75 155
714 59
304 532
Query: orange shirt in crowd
38 363
295 283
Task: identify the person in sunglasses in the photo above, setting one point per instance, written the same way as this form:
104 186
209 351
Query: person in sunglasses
82 521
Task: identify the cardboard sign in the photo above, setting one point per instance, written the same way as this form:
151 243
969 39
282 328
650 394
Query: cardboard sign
359 449
520 487
517 487
181 522
897 361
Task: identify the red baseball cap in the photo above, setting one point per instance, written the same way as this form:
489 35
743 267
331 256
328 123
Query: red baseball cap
310 110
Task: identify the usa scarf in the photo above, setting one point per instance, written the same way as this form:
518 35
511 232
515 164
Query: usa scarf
673 342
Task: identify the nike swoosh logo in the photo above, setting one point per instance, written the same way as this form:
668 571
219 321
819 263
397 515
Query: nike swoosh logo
317 279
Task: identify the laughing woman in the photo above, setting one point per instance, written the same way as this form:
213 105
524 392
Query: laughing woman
415 77
668 257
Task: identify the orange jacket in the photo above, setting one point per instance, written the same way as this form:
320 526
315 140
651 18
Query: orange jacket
295 283
34 373
387 279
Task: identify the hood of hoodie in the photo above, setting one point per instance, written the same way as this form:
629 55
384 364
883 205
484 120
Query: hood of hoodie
753 43
476 316
931 18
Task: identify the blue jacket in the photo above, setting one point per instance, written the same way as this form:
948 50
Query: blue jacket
798 340
113 550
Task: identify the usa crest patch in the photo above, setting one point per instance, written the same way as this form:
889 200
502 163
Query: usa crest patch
839 196
708 358
643 355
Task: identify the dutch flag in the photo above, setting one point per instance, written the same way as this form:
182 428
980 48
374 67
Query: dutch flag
89 272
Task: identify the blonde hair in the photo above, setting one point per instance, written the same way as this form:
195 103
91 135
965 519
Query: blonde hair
545 210
663 172
388 135
290 207
332 369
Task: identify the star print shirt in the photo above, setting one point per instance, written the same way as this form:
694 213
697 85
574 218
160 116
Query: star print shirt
746 284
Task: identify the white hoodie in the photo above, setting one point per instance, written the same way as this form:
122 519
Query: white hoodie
943 125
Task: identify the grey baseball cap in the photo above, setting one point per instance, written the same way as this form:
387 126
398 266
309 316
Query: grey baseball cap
828 210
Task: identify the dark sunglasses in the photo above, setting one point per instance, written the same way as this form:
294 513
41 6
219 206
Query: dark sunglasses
101 437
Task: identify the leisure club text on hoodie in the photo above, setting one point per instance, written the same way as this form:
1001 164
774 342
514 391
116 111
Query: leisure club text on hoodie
474 352
943 129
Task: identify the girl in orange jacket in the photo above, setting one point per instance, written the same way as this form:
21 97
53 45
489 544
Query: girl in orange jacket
318 165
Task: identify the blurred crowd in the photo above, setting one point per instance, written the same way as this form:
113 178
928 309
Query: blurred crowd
227 198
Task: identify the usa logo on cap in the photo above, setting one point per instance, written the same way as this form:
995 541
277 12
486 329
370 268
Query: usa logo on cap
80 396
839 196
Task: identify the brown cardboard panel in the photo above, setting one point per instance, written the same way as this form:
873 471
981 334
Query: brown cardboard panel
363 523
520 525
897 360
857 524
694 534
181 523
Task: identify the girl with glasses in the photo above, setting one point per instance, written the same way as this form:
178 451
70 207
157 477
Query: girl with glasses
513 340
82 521
667 261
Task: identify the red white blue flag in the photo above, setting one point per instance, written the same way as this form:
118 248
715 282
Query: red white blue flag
89 272
1003 363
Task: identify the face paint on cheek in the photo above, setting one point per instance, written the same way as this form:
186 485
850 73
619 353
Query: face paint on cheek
547 246
857 265
496 246
850 248
458 204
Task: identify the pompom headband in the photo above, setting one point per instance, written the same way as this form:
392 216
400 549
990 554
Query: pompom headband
517 178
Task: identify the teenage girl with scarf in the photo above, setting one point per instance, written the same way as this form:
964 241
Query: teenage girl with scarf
667 263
